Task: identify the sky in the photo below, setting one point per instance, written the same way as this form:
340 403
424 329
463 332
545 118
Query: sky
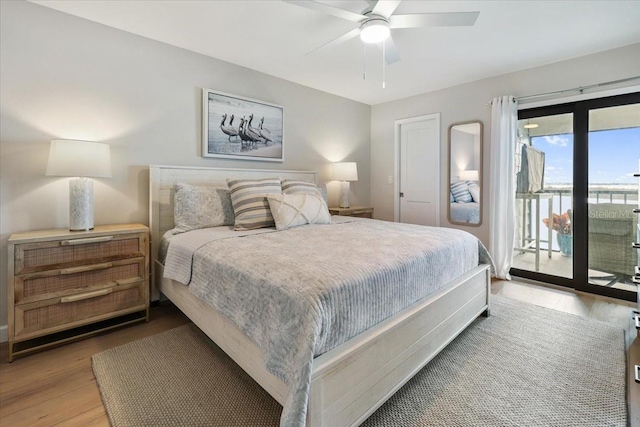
613 156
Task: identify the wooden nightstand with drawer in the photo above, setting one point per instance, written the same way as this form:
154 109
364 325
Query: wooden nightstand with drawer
359 211
64 285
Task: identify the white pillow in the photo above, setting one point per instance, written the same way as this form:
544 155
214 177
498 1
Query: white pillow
474 189
292 210
200 206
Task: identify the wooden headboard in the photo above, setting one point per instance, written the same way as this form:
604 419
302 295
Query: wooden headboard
162 178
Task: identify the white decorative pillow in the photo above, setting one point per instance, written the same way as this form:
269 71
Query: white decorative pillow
474 190
200 206
460 191
249 200
291 210
291 186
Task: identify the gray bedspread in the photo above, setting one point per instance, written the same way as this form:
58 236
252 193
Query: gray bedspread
300 292
465 212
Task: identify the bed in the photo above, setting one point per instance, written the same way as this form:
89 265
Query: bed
465 212
350 379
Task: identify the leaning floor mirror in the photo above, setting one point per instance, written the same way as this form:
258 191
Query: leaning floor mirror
465 173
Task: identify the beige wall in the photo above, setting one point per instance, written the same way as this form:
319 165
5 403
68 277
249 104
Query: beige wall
471 102
68 78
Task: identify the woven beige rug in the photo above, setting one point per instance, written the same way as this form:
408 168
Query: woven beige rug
523 366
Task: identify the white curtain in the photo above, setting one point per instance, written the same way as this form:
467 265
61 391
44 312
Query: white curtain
504 128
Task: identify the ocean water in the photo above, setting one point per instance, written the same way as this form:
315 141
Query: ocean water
222 145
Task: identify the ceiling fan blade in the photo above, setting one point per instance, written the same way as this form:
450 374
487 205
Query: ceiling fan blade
343 38
453 19
384 7
325 8
391 52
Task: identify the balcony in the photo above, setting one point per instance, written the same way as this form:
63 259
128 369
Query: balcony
612 228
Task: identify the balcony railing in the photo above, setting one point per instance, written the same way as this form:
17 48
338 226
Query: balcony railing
598 193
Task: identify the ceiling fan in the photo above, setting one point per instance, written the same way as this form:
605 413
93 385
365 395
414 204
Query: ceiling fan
377 20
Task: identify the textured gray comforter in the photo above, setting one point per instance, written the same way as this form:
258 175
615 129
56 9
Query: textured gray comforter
465 212
300 292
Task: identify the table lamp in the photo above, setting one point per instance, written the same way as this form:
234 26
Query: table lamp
344 172
81 159
469 175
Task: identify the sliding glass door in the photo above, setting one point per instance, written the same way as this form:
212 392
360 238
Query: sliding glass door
576 194
544 195
614 151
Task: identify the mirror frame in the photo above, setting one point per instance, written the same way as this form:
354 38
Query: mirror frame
480 173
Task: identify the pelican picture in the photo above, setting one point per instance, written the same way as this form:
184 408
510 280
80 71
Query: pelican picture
236 127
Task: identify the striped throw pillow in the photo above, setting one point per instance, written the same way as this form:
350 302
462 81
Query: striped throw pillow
292 186
460 191
250 205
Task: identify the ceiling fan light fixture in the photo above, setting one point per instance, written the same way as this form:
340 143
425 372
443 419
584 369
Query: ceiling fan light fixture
374 31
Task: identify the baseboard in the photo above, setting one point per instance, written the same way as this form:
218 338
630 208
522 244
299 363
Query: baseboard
4 337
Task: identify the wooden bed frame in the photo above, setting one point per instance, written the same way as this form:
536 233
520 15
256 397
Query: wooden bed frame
349 382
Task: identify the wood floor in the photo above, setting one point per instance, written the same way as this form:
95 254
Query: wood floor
57 387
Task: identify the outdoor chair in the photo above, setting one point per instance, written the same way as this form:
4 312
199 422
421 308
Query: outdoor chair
612 228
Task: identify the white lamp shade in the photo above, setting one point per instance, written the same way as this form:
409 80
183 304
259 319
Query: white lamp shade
345 171
470 175
374 31
79 158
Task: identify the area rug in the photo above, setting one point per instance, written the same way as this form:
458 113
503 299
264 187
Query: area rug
523 366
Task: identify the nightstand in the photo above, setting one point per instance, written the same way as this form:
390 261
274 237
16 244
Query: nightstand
359 211
65 285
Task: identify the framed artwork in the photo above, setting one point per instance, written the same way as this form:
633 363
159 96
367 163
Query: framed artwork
241 128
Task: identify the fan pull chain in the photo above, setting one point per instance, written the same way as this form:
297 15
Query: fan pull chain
364 63
384 85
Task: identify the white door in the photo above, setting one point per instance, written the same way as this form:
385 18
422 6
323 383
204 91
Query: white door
419 170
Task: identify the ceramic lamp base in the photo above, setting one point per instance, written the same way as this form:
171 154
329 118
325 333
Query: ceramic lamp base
80 204
344 194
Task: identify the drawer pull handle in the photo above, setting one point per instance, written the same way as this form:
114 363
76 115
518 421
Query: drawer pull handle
637 374
82 269
87 295
122 282
86 241
635 245
636 211
636 318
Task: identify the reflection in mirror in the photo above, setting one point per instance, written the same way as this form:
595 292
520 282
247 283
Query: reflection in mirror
465 173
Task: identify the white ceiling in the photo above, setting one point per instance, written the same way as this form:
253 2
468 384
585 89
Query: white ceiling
273 37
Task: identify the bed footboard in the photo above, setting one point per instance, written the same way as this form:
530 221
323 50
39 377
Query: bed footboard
351 381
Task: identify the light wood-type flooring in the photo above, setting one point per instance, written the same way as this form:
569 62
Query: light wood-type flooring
56 387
